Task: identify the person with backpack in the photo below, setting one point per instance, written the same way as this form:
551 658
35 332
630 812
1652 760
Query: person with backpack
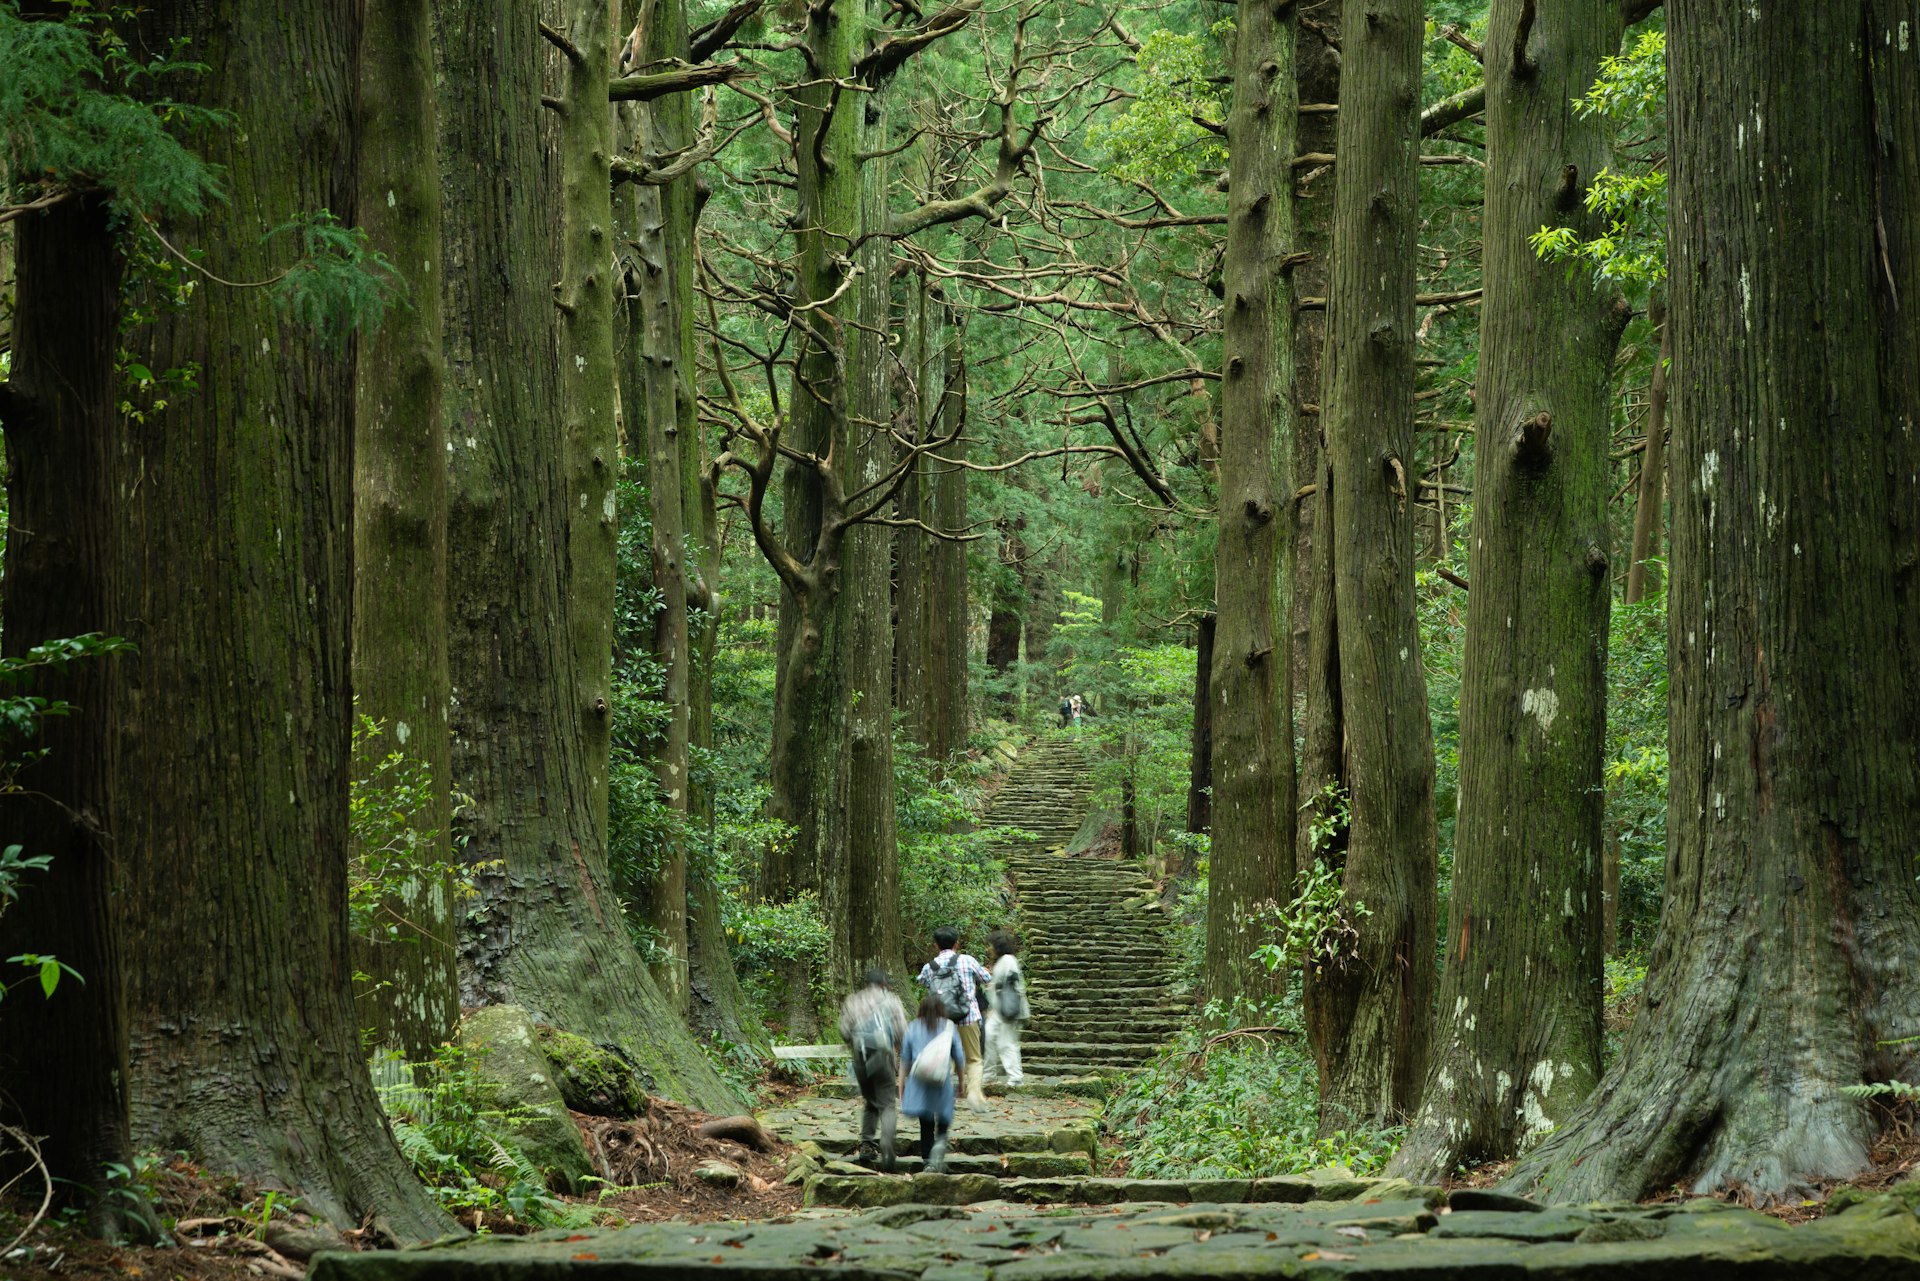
1007 1009
957 980
935 1053
872 1021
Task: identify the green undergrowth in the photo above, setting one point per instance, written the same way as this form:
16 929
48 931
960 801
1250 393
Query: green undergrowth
1237 1096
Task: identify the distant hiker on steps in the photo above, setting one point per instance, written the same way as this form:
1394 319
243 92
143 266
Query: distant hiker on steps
1066 711
933 1050
872 1021
1007 1009
957 980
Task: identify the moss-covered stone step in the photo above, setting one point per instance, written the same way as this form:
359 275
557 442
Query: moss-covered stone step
1402 1201
997 1165
1370 1239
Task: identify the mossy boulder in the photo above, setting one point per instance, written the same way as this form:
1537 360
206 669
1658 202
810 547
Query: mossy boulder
507 1056
592 1078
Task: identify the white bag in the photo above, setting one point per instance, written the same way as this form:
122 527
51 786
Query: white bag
933 1065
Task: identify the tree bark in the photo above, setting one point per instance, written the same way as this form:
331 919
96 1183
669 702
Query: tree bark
664 267
1517 1038
1653 467
1251 684
230 802
1785 965
60 409
811 742
873 854
400 525
1368 1010
528 739
946 484
1200 756
912 548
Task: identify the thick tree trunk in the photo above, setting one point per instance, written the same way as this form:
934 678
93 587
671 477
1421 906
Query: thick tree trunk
1200 756
947 571
1653 467
1368 1010
1251 685
912 548
665 261
528 742
873 854
1317 66
230 802
1517 1040
810 729
1786 961
412 1000
63 1071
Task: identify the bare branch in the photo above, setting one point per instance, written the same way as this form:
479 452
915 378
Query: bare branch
679 80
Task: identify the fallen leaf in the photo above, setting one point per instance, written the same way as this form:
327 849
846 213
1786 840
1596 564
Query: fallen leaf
586 1256
1353 1230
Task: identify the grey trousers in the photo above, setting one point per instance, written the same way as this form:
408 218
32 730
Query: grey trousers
879 1114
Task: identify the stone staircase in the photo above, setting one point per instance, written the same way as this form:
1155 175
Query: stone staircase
1099 973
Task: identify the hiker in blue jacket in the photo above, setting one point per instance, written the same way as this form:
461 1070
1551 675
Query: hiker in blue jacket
932 1104
959 980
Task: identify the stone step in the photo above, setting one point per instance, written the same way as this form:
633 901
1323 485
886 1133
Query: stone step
1092 1051
1002 1165
1388 1205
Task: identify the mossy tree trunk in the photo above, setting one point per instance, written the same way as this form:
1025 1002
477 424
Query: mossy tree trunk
946 490
531 565
1368 1010
59 408
873 853
1251 683
659 340
230 804
1322 766
1517 1037
400 526
1785 965
811 692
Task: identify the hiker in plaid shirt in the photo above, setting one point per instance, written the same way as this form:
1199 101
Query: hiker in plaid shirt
958 980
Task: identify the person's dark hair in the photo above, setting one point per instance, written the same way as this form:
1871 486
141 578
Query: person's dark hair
932 1010
945 937
1003 943
876 977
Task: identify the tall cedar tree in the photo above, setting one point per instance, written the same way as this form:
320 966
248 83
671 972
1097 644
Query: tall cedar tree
400 525
530 528
1251 683
60 408
810 730
1368 1008
230 803
873 845
1785 965
1517 1045
659 331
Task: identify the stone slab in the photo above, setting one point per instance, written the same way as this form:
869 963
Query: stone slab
1876 1240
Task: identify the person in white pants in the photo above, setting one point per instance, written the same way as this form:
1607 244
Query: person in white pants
1007 1009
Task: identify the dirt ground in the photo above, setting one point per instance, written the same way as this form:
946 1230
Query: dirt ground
218 1236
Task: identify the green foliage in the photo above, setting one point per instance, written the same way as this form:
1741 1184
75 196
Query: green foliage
389 811
1317 925
1636 763
448 1123
1631 89
339 285
1158 136
948 872
1237 1097
69 123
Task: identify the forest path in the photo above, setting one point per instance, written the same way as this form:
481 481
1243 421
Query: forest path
1401 1233
1094 939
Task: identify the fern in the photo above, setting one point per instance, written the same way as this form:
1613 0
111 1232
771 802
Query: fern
1898 1091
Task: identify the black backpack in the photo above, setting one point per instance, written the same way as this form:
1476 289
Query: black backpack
1006 995
944 981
